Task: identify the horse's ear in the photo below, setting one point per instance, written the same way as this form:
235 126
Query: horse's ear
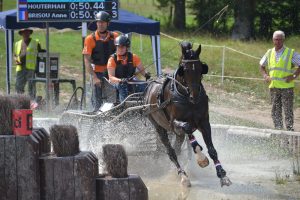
198 51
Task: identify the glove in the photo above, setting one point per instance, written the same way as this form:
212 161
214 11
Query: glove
147 76
123 80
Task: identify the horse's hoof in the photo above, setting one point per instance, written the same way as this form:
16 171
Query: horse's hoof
185 181
202 160
225 181
203 163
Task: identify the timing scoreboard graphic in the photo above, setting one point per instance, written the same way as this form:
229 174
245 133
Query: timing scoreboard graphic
64 10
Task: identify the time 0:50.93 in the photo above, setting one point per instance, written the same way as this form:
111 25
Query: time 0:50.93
81 14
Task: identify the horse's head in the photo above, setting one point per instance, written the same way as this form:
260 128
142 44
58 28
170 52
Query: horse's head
190 70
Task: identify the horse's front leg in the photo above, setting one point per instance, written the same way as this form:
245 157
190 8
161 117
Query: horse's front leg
206 134
186 128
202 160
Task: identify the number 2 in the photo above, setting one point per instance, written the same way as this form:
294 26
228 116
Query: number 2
114 5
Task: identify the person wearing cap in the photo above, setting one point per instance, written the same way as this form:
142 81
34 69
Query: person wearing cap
277 68
98 46
122 66
25 56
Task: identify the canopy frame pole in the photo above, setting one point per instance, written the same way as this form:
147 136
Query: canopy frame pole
84 34
48 80
156 53
159 71
9 50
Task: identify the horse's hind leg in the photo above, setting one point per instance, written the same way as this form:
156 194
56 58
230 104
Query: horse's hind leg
206 133
173 157
162 133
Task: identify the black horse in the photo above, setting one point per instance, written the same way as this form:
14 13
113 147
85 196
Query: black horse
179 104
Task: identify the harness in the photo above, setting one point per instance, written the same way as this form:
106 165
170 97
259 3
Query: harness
103 49
124 71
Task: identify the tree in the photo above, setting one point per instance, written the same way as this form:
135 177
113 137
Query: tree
179 14
179 11
244 13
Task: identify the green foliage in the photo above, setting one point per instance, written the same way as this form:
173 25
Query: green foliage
204 11
270 15
273 15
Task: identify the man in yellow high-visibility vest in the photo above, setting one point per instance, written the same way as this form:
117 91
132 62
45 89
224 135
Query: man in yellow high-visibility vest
279 67
25 55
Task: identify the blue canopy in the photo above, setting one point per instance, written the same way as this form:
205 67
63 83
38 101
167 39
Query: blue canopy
128 22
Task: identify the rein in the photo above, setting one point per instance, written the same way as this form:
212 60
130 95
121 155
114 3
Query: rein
180 84
186 61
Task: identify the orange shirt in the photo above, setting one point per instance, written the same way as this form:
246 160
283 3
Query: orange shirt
111 64
89 45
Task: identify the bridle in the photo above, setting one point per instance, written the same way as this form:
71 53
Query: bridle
185 88
182 64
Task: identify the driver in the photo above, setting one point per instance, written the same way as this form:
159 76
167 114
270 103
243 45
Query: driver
122 65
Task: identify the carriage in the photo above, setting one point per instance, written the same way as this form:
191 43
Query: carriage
125 123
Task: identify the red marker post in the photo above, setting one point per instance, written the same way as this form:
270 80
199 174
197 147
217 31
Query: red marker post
22 122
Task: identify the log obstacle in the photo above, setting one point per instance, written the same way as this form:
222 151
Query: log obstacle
129 188
117 184
65 140
69 178
19 165
68 173
115 160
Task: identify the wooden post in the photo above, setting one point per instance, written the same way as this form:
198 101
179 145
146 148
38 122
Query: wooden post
130 188
19 166
69 178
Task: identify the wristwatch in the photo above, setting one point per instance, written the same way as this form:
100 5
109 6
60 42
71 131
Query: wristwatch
294 75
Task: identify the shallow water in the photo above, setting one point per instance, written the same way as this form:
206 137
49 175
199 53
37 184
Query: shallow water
253 174
252 164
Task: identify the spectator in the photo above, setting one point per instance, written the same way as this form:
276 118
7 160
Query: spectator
277 68
25 57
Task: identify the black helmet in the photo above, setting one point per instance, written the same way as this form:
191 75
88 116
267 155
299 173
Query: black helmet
122 40
102 16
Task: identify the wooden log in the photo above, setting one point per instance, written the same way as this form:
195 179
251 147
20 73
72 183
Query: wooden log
69 178
28 179
6 107
19 165
130 188
8 167
65 140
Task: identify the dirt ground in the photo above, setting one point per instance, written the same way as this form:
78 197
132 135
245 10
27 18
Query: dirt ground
243 106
